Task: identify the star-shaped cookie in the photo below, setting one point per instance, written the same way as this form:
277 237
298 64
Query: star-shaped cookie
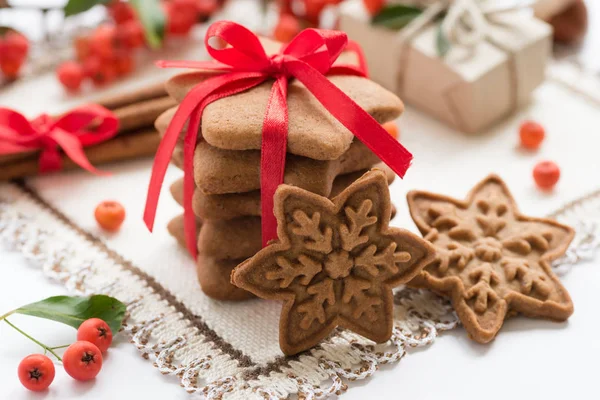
335 263
491 260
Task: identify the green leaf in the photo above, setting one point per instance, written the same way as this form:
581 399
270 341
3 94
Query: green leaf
153 19
441 42
396 16
73 311
78 6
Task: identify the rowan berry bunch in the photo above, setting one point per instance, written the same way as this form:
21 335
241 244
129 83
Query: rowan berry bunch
107 53
14 48
298 14
95 318
82 360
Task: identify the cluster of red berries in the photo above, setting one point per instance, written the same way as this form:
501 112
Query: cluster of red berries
82 360
106 53
13 53
545 173
298 14
294 15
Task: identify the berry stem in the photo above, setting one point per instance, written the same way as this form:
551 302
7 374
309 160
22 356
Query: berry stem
46 348
8 314
60 347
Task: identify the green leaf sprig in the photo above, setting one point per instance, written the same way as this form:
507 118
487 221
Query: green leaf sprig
72 311
398 16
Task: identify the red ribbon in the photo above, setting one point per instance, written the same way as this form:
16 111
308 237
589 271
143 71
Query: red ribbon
70 132
244 65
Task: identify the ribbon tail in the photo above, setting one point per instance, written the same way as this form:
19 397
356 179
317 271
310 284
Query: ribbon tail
272 159
205 93
74 150
353 117
189 145
162 159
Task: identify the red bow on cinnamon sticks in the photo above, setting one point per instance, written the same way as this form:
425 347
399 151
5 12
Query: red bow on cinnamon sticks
244 65
71 132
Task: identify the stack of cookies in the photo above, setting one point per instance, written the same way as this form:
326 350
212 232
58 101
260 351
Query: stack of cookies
323 157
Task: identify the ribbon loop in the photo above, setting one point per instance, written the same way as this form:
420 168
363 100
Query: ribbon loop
467 22
244 53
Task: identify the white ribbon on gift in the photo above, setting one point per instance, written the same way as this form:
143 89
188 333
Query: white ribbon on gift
466 22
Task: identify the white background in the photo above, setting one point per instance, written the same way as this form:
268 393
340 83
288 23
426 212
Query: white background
529 359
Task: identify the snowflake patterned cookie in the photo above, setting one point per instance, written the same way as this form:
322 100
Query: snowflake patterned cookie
491 260
335 263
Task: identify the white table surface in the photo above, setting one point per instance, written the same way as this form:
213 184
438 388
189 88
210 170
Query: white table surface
529 359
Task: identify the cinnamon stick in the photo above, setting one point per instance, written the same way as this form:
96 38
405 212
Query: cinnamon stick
143 113
123 147
153 91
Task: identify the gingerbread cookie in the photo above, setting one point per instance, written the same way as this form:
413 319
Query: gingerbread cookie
213 274
218 171
234 205
215 279
335 263
491 260
235 122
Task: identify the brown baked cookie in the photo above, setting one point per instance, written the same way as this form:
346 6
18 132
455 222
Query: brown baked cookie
234 205
235 122
215 238
335 263
215 279
213 275
218 171
491 259
175 228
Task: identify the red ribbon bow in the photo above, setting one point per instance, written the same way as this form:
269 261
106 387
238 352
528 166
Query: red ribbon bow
244 65
69 133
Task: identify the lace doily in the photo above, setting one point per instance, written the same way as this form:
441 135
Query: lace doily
181 343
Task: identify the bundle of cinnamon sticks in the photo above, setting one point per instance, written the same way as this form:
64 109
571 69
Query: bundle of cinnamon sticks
136 137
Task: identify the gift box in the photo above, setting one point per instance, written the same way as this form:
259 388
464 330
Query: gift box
470 88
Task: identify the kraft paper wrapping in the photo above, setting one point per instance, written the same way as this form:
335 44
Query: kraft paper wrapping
470 88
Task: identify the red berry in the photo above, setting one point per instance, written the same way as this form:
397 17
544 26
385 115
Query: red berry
391 128
70 74
123 64
103 41
374 6
15 47
546 174
82 360
82 47
131 34
313 9
121 12
287 27
532 134
285 6
182 15
101 72
36 372
206 8
95 331
13 52
110 215
10 68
